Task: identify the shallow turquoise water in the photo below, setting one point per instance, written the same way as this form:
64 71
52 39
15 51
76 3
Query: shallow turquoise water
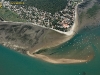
13 63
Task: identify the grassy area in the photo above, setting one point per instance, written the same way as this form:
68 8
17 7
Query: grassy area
92 11
8 15
48 5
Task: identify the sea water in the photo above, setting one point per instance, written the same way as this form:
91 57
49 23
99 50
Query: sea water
13 63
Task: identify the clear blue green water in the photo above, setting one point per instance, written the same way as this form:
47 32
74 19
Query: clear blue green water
13 63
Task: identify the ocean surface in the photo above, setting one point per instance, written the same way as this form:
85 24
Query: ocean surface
14 63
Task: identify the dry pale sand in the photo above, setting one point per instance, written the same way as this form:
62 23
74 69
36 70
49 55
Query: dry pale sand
56 61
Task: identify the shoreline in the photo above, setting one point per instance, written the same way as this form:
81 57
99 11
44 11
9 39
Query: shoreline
57 61
66 33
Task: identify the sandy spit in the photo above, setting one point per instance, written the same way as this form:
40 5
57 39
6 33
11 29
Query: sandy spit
57 61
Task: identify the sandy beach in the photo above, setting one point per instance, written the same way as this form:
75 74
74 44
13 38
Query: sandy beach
56 61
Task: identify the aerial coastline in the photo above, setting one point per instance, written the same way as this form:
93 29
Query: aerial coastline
31 38
72 32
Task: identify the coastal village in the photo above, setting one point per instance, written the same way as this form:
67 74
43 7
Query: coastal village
61 20
27 35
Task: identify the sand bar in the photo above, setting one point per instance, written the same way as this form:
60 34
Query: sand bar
56 61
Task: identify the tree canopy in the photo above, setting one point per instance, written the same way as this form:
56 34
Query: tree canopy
48 5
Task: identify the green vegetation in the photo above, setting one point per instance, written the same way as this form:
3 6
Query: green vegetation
92 11
10 16
48 5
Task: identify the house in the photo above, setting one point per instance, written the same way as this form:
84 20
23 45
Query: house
65 24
